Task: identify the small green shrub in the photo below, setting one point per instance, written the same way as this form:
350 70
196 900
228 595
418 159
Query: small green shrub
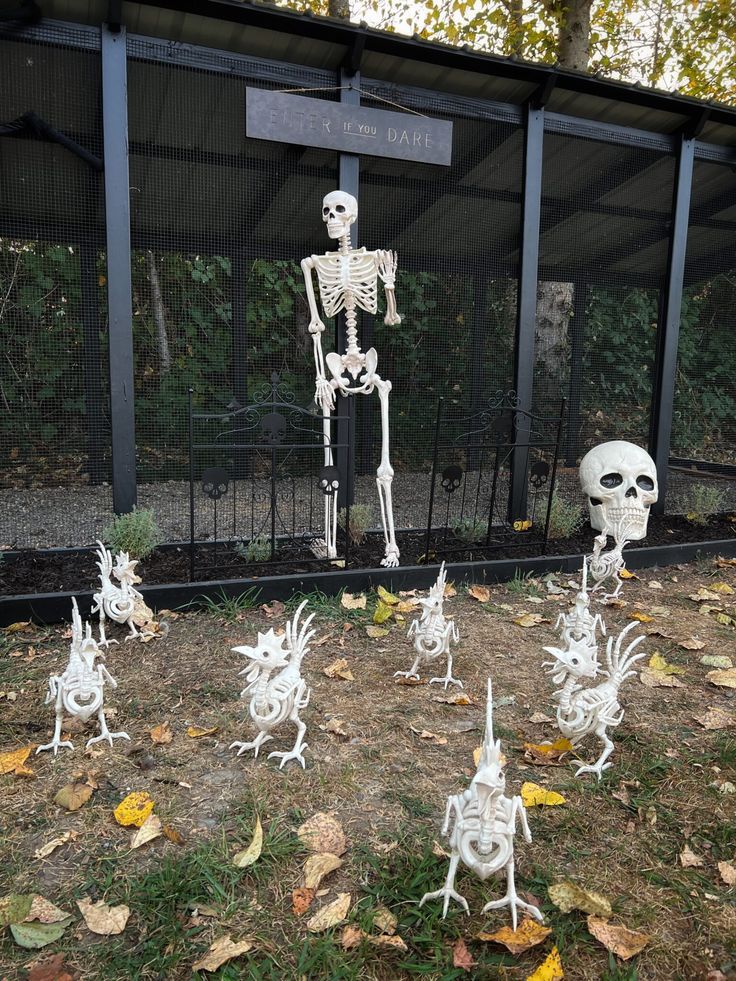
470 530
705 502
566 518
135 533
361 517
258 549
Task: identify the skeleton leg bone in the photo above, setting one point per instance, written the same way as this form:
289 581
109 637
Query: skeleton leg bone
260 739
448 891
600 765
105 732
413 671
511 899
296 752
448 679
384 479
56 696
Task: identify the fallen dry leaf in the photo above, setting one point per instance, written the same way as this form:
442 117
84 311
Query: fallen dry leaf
724 679
458 698
689 860
251 854
386 941
150 829
539 717
658 663
336 726
530 620
352 936
716 661
45 850
13 761
692 644
550 969
318 866
73 796
221 951
450 590
339 669
382 612
660 674
568 896
533 795
350 602
621 941
45 911
410 682
273 609
376 632
641 617
16 628
716 718
625 574
196 732
384 921
107 921
480 593
330 915
430 737
722 587
161 734
323 833
547 754
528 934
134 809
301 900
172 834
461 956
50 969
728 872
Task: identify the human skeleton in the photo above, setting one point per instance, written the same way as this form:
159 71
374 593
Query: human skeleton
80 689
433 634
122 604
281 698
579 623
348 281
582 711
484 825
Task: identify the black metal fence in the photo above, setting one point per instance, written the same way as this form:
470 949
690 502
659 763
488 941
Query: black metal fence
559 257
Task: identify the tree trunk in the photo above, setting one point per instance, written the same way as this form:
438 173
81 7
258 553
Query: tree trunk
159 317
339 8
573 38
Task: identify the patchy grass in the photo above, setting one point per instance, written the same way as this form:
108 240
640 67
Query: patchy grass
621 837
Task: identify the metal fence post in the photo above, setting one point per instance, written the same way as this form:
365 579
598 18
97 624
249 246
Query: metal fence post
119 300
668 329
526 308
349 178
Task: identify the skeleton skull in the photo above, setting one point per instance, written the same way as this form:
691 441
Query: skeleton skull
620 481
339 211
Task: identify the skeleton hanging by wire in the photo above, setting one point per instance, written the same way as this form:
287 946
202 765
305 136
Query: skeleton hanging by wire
348 281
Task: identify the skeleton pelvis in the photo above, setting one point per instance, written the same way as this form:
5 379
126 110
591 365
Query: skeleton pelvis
484 864
352 363
83 704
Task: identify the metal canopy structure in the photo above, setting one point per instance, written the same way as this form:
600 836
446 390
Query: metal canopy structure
557 177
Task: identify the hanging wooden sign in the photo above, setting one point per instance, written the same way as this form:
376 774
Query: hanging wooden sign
288 118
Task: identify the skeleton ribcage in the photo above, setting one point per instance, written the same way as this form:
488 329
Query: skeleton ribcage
354 273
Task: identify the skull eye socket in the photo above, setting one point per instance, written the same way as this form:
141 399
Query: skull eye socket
646 483
611 480
325 211
340 209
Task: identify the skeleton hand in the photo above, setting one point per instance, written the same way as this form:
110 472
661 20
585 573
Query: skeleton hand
387 264
316 326
324 394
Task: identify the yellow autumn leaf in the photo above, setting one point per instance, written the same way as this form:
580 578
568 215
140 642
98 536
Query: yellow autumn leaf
330 915
375 633
625 574
383 612
387 597
530 619
641 617
722 587
134 809
546 753
407 606
16 628
196 732
221 951
528 934
249 855
568 896
12 762
658 663
532 795
550 969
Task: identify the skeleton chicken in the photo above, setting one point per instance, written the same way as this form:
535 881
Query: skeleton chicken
433 634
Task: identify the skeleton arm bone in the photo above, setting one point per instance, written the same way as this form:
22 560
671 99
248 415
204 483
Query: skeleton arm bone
386 262
325 392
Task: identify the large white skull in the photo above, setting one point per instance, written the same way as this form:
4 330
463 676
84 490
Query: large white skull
339 211
620 482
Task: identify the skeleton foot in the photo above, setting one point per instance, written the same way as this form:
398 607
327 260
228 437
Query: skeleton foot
448 894
56 745
294 754
447 680
391 558
406 674
596 768
256 744
320 550
516 904
109 736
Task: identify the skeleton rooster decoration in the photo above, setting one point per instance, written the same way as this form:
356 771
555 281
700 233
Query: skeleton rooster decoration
80 690
433 634
585 711
484 825
281 698
579 623
348 281
122 604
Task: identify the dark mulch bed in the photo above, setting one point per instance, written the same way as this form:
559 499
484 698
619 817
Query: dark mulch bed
65 571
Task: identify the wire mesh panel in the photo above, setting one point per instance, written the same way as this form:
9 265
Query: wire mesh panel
54 391
603 252
219 226
456 232
703 444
